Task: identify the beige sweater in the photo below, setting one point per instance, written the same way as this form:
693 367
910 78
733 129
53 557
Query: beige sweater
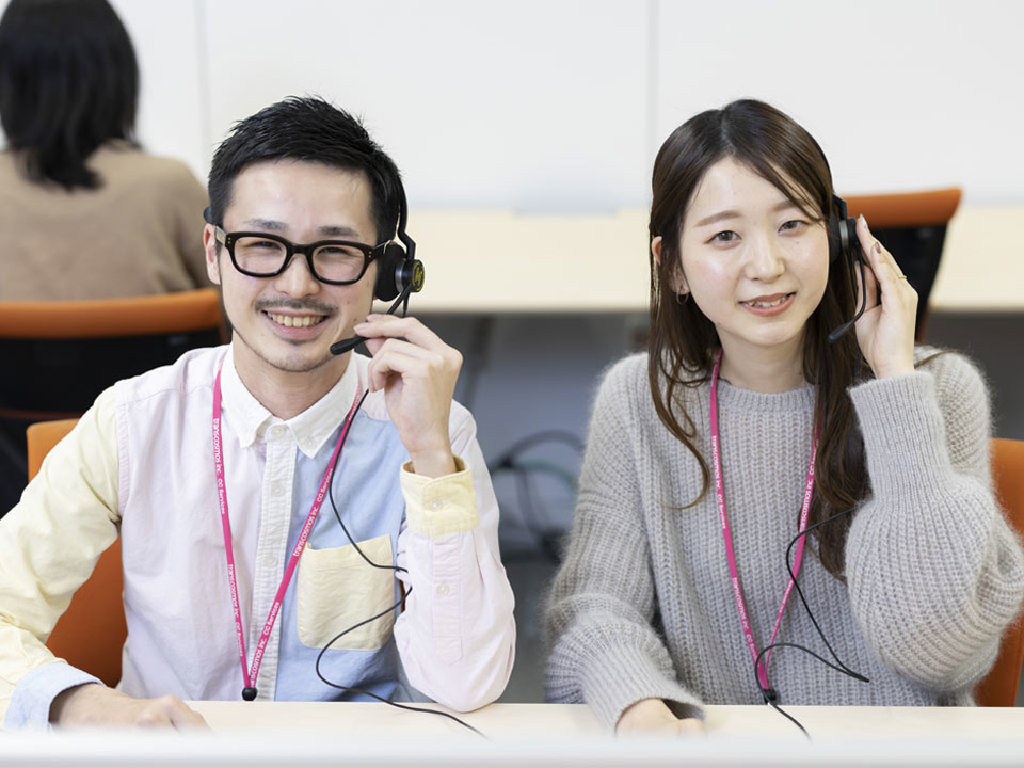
140 233
642 606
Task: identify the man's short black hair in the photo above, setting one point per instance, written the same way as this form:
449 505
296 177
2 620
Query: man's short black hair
309 129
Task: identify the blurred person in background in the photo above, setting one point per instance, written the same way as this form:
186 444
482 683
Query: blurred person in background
85 213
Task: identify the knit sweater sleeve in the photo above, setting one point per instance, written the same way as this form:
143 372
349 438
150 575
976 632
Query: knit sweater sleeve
935 574
599 621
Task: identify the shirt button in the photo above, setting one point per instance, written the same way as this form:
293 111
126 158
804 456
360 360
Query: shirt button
277 489
436 505
442 589
277 432
268 561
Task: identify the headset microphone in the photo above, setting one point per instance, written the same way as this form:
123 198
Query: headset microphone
833 337
346 345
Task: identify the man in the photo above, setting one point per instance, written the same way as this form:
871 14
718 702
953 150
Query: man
215 469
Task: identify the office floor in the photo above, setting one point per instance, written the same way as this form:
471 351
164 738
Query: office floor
992 340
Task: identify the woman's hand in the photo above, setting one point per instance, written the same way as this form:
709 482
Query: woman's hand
649 717
886 329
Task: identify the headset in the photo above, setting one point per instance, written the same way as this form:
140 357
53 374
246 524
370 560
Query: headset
842 233
399 274
843 244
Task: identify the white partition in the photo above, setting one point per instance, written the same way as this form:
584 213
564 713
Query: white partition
170 46
559 105
902 94
530 105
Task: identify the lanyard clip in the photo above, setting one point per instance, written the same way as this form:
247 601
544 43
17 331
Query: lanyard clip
248 693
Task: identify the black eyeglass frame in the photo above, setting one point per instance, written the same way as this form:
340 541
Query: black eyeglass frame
228 240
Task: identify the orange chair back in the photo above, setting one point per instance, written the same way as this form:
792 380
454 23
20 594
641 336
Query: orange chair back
999 686
906 209
66 352
91 633
180 312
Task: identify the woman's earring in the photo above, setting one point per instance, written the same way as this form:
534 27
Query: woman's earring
685 298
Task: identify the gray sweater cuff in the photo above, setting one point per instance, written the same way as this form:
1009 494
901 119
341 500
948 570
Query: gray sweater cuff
619 677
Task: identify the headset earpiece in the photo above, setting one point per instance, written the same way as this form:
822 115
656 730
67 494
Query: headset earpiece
842 233
844 244
397 271
389 268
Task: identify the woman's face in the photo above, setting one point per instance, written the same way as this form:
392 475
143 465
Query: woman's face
755 264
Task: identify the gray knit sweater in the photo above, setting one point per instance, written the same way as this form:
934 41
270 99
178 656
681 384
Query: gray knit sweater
642 606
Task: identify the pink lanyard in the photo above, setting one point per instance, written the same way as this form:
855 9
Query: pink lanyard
805 508
249 677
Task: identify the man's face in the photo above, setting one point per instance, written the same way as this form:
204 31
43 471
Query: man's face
287 323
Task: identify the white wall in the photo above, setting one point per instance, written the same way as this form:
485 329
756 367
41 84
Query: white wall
559 105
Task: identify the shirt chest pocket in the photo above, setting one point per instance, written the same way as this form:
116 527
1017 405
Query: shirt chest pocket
339 589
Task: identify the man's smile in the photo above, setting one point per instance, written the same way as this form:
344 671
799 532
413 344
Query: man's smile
296 321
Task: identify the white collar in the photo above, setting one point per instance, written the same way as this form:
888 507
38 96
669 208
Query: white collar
311 428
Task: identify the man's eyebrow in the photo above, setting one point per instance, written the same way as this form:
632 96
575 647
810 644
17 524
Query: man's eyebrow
337 231
269 224
330 230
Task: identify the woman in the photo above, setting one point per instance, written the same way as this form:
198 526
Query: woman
84 213
744 411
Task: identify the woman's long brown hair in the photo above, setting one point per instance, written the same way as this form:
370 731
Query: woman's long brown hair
683 342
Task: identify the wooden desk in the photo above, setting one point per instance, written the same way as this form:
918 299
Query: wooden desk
496 261
493 261
539 735
982 267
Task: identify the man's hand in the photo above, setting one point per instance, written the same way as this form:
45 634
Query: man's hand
97 705
417 372
651 717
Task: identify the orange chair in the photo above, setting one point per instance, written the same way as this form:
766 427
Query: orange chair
91 632
912 226
157 314
66 352
999 686
906 209
58 356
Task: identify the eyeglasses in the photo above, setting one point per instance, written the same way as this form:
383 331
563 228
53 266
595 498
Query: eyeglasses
336 262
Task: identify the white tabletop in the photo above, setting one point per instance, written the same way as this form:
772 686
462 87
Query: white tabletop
538 735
